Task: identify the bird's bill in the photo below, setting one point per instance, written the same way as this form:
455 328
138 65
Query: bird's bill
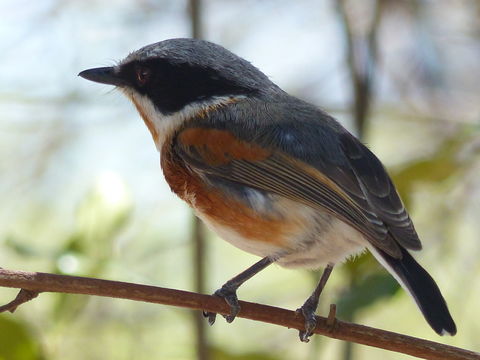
103 75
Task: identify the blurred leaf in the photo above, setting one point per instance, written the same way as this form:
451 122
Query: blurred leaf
365 293
368 283
74 244
101 216
68 307
439 167
19 247
17 342
363 263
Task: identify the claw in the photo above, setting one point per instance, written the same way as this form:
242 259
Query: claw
228 291
230 297
304 337
310 321
210 316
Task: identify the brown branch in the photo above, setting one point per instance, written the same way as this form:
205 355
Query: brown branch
36 282
22 297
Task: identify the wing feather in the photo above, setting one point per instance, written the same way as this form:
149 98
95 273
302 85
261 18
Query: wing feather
380 192
279 173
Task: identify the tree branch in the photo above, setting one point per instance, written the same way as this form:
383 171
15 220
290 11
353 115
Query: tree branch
35 282
22 297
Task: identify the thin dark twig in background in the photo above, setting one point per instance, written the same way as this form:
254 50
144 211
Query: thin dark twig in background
198 233
361 56
362 60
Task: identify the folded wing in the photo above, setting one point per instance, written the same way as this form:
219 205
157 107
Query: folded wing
359 192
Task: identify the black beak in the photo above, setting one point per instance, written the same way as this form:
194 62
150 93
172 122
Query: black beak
103 75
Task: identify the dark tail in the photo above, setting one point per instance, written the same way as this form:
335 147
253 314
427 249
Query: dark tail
423 289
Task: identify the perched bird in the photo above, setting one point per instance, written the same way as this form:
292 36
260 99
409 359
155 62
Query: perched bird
269 173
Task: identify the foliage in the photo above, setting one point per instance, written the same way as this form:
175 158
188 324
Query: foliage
18 341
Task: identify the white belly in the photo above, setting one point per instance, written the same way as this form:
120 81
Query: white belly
335 245
320 239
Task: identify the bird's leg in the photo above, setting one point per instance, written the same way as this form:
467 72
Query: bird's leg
229 290
310 305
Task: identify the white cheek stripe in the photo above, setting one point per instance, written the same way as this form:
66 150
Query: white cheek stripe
166 125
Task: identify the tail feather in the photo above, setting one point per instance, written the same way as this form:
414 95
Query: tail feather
421 287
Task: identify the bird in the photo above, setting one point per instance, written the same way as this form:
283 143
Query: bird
268 172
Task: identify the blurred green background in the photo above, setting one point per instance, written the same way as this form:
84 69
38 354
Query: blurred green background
82 192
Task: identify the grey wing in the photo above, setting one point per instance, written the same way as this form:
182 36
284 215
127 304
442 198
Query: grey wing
378 192
333 151
312 160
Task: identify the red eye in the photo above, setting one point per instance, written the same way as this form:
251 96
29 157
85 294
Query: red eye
143 75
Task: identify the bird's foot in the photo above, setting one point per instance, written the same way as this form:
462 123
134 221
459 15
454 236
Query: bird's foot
230 297
308 311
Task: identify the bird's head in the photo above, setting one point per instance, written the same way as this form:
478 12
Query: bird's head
173 79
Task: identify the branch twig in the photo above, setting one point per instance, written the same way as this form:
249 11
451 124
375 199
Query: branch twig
22 297
36 282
